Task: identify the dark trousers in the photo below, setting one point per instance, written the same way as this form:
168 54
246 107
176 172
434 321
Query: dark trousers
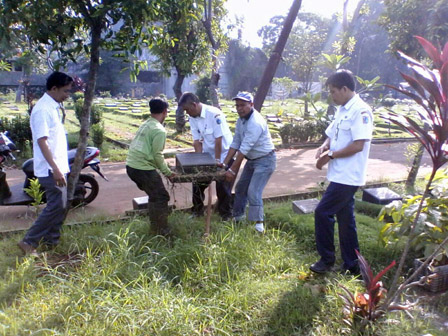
337 200
47 227
223 193
151 183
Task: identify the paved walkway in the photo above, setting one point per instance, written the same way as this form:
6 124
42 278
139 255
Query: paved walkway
295 173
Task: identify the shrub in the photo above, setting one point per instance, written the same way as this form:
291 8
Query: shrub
285 133
105 94
303 131
77 95
202 89
19 130
399 217
96 111
98 134
388 102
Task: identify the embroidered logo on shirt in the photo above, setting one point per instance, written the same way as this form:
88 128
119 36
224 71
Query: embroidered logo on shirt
365 117
218 120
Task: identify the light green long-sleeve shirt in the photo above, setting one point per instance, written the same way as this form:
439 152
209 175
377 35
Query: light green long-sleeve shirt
145 151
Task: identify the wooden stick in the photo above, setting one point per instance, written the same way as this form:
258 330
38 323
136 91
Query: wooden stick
209 211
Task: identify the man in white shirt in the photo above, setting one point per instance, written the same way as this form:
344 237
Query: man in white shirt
211 134
346 150
50 162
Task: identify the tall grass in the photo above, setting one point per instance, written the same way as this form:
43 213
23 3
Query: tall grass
116 279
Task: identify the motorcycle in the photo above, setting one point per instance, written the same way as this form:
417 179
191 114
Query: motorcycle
86 189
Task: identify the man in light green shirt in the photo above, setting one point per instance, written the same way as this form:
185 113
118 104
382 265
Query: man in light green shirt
145 158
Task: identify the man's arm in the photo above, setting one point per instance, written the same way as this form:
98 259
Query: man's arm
230 154
218 148
323 148
235 167
158 144
353 148
46 152
197 145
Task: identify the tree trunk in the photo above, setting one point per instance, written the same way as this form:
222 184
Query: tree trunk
276 55
85 117
410 181
180 115
306 113
214 82
214 78
347 27
19 92
20 88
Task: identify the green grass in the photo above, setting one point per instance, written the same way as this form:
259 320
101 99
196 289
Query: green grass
122 281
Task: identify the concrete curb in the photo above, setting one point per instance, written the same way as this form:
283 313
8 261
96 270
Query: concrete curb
279 198
317 144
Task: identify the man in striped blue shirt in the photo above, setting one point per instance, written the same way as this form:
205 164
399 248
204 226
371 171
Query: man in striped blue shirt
252 141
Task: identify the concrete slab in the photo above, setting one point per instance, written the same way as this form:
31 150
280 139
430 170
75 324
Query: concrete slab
305 206
380 195
140 203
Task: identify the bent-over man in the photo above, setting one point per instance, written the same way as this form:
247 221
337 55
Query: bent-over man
211 134
145 158
252 141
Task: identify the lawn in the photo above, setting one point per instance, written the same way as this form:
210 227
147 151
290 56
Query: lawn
123 117
116 279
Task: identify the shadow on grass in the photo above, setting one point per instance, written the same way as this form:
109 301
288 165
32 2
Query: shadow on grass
295 312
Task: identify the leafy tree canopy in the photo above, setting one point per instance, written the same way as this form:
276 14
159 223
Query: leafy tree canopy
404 19
183 41
306 44
63 27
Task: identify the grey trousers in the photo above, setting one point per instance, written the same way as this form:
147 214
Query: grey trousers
47 227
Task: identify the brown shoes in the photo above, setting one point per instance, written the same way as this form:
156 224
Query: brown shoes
27 248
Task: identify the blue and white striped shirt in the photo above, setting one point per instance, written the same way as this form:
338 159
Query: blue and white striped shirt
252 137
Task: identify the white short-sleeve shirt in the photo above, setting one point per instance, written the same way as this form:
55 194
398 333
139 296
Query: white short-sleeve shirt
353 121
46 121
208 126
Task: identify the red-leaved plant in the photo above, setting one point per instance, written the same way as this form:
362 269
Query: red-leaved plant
431 130
362 308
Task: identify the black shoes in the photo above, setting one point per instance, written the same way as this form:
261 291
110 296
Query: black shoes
27 248
350 271
321 267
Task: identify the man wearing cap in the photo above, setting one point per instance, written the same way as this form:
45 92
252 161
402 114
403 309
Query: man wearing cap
145 158
346 151
211 134
252 141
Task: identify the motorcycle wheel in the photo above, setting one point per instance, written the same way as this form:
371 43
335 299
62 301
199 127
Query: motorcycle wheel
91 187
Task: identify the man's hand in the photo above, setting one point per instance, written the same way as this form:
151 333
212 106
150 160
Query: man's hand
172 177
230 175
221 165
321 149
59 178
322 161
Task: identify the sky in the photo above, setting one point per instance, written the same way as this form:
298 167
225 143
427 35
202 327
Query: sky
258 12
